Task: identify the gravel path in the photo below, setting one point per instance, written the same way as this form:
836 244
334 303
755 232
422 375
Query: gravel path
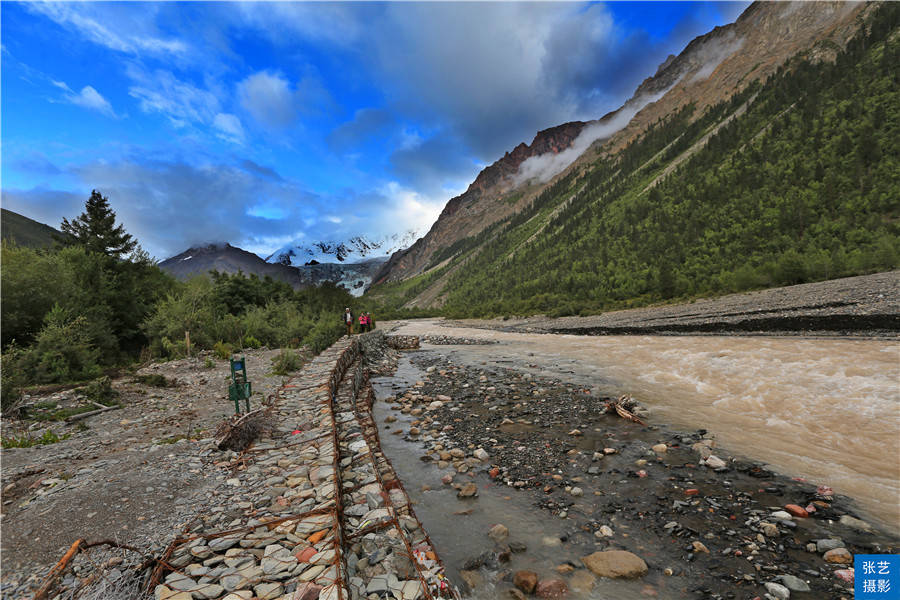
867 306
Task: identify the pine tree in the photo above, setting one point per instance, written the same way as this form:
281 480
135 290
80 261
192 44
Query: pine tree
96 229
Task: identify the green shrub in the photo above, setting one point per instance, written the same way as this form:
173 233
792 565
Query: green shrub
251 342
286 362
209 363
62 352
223 350
100 391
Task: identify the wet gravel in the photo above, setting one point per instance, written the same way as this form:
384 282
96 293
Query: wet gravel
863 306
708 524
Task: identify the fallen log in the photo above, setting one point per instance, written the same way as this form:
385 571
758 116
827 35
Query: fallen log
91 413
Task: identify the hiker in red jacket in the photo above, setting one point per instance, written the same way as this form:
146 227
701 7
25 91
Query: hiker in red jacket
362 322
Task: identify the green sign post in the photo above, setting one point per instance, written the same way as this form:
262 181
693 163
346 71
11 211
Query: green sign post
239 389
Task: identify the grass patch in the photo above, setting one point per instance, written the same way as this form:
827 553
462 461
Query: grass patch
62 414
286 362
27 441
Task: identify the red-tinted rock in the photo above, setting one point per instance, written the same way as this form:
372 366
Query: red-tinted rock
305 554
691 492
307 591
525 580
551 589
797 511
494 472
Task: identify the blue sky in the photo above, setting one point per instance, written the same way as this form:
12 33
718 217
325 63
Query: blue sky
263 123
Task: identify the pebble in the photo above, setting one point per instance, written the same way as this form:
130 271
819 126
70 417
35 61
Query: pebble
778 591
840 556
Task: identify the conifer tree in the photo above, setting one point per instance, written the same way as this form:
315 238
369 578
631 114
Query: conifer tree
96 229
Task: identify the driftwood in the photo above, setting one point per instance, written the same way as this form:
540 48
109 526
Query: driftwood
59 567
238 433
56 571
619 407
85 415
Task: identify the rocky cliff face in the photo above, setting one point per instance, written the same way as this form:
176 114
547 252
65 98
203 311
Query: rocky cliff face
710 69
491 197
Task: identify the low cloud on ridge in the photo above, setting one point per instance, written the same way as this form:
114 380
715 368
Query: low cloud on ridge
545 166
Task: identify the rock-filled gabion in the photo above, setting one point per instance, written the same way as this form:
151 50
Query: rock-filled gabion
318 511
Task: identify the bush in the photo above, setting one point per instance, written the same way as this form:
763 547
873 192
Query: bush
223 350
100 391
286 362
251 342
62 352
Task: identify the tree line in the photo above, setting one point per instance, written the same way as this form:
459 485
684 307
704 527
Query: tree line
96 301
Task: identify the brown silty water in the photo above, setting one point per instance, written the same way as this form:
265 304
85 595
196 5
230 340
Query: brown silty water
827 410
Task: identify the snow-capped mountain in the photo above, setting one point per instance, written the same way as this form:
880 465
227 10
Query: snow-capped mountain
356 249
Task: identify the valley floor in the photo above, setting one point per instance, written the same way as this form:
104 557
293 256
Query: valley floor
862 306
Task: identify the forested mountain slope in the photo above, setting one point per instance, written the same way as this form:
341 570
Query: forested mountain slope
791 180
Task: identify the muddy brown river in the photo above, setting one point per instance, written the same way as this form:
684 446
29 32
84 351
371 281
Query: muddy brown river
827 410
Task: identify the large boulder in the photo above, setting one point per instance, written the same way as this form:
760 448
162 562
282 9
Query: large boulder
615 564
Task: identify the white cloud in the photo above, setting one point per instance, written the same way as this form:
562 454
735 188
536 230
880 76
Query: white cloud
88 98
545 166
181 102
229 128
268 98
125 34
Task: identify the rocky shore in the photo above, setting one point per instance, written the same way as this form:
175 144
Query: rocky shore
669 509
863 306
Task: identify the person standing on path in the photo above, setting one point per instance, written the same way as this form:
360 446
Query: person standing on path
348 321
362 322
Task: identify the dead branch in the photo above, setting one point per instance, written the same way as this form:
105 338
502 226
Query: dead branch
56 571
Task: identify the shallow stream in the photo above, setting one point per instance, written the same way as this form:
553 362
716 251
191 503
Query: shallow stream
827 410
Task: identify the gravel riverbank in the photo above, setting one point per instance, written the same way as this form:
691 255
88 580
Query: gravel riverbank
864 306
703 522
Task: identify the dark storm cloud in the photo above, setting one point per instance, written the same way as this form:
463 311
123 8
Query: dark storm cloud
366 123
431 163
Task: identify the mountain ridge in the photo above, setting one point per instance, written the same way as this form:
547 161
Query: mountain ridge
670 129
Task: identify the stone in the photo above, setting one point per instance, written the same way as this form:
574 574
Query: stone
481 454
411 589
470 490
839 556
498 532
714 462
796 511
699 547
576 432
515 593
778 591
582 581
577 492
604 531
447 479
660 448
208 591
277 559
769 529
828 544
795 584
615 564
855 523
551 589
525 580
845 575
473 579
435 405
239 595
307 591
